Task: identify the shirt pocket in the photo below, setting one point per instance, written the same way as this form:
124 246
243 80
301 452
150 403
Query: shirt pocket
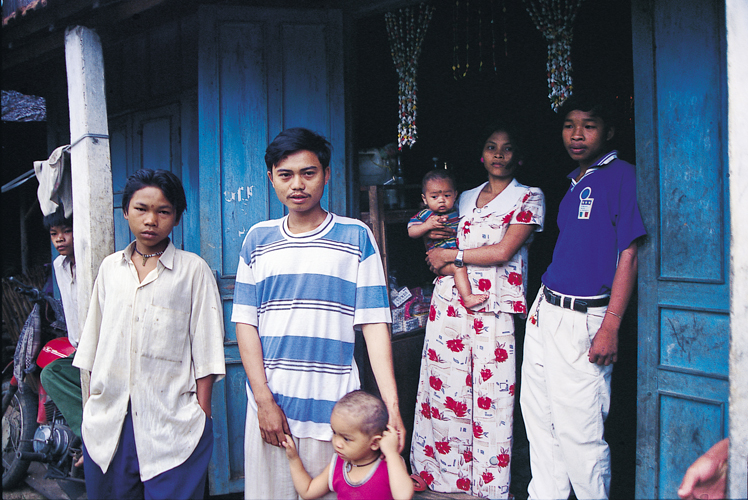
166 331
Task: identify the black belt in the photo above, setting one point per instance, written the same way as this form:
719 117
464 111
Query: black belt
572 303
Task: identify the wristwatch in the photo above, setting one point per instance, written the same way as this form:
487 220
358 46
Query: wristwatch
458 259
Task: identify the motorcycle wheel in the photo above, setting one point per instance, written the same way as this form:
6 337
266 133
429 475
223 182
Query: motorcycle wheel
19 425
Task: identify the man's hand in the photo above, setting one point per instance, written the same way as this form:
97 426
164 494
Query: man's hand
273 423
396 424
604 348
707 476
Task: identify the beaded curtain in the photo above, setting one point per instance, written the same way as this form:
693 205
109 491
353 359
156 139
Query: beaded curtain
405 32
555 19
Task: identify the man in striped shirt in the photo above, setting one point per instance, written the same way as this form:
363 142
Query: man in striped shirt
304 283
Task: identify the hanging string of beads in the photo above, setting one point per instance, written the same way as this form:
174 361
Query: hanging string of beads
406 31
455 45
473 27
555 19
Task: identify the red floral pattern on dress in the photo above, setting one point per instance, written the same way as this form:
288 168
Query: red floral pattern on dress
485 374
432 313
452 312
427 477
467 455
426 410
428 451
459 408
478 326
477 430
503 458
442 447
508 217
484 402
501 354
514 279
435 383
487 477
469 380
435 414
524 216
455 345
511 390
432 355
484 284
464 484
520 307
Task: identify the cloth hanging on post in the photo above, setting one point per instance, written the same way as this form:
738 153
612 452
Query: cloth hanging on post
55 183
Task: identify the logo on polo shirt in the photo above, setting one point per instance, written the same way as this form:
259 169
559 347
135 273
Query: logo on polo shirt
585 203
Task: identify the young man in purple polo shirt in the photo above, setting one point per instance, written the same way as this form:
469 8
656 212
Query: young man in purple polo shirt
571 340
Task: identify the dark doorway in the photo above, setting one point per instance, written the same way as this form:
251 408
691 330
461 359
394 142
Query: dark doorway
452 111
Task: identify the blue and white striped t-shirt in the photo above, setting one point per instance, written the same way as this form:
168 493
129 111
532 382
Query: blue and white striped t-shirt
305 293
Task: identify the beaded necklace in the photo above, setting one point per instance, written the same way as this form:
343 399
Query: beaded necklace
148 256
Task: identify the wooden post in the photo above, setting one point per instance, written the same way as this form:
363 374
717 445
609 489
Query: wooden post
736 16
90 162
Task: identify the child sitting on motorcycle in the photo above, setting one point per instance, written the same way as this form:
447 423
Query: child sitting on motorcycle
61 379
153 342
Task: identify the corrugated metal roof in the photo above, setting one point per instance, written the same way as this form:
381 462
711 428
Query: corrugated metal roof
18 107
13 9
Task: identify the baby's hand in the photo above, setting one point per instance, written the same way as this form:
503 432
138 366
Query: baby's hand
388 443
435 221
290 447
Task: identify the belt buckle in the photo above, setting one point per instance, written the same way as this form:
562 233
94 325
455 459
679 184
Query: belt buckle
580 305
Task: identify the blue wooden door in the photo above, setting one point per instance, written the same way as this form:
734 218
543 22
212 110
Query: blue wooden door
260 71
680 92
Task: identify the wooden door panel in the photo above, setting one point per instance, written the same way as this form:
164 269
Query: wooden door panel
683 265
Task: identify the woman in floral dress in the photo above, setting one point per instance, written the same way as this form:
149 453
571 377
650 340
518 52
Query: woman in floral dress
462 435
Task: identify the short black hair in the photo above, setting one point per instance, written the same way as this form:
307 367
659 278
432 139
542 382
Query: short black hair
597 103
57 218
167 182
368 409
437 173
297 139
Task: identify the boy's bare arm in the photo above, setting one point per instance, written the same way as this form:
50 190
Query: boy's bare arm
604 348
205 393
401 485
273 423
305 486
378 345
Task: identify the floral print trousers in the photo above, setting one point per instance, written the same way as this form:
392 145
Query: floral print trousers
462 434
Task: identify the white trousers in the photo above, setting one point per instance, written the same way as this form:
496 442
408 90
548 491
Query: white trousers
565 400
266 471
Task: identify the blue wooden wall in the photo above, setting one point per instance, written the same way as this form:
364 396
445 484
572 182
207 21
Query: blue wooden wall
680 96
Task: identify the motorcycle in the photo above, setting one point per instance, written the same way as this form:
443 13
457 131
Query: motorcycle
33 429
